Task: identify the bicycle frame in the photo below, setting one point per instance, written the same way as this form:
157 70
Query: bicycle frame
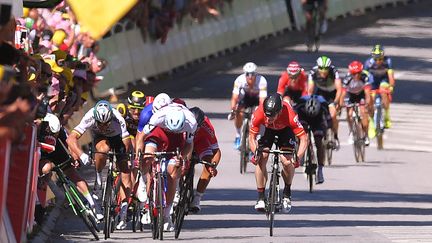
378 118
310 160
244 142
358 134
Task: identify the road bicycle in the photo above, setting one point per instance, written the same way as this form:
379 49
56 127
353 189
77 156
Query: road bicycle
378 119
158 187
274 198
358 134
74 197
244 141
186 193
310 159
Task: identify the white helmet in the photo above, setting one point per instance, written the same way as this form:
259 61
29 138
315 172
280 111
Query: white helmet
249 67
53 122
103 111
323 62
175 120
161 100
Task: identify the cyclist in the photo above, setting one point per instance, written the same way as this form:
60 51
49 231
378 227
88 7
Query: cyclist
324 80
381 68
207 148
172 126
53 153
279 119
109 132
356 89
314 112
250 89
292 83
308 8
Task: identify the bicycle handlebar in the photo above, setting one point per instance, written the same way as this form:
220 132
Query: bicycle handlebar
277 151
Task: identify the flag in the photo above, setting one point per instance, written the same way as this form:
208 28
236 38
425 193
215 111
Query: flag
98 16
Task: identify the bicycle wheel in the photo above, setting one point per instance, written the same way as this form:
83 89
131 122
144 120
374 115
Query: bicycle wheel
272 200
379 130
356 137
244 153
183 204
82 211
107 203
153 212
159 205
310 166
328 146
136 217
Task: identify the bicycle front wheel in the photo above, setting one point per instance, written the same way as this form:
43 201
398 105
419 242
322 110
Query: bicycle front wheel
107 203
272 200
83 211
244 151
160 204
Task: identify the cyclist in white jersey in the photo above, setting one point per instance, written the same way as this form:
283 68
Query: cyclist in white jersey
109 132
250 89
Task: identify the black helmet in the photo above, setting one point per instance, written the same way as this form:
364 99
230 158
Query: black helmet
272 105
312 106
136 99
199 115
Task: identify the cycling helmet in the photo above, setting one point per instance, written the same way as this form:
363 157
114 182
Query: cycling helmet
161 100
199 115
103 111
312 106
377 51
323 62
175 120
249 67
293 69
137 99
355 67
53 122
272 105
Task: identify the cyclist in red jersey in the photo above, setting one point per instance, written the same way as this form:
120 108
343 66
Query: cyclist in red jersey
293 83
279 119
207 148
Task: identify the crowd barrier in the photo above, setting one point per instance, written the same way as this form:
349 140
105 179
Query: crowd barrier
19 164
130 58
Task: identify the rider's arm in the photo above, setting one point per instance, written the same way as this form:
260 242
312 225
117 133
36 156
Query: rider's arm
311 84
338 85
283 80
262 85
235 93
302 146
256 121
72 142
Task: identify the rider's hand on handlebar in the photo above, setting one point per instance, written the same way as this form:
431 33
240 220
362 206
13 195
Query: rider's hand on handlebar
179 161
231 115
212 170
75 163
85 159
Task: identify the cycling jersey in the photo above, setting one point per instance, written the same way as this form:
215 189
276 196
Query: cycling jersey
117 125
145 116
131 124
379 72
350 85
242 88
60 154
319 123
205 140
294 90
164 140
326 84
286 118
158 120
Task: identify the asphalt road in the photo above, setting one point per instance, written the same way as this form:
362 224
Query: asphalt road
386 199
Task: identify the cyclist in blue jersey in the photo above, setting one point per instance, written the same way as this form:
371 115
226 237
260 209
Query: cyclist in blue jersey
381 68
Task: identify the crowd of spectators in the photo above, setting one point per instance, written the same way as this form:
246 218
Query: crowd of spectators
48 62
156 17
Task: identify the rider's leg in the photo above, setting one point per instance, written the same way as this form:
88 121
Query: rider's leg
261 175
364 118
385 95
335 122
173 176
100 159
238 121
287 174
81 184
148 160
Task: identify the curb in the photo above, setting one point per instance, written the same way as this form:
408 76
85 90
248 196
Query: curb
50 222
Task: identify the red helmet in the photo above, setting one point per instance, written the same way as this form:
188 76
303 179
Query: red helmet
355 67
293 68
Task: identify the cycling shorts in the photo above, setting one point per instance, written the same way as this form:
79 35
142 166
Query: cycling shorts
116 144
329 96
351 98
248 101
293 94
286 138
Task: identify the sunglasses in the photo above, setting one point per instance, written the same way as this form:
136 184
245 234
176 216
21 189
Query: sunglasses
101 124
379 59
250 74
323 68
